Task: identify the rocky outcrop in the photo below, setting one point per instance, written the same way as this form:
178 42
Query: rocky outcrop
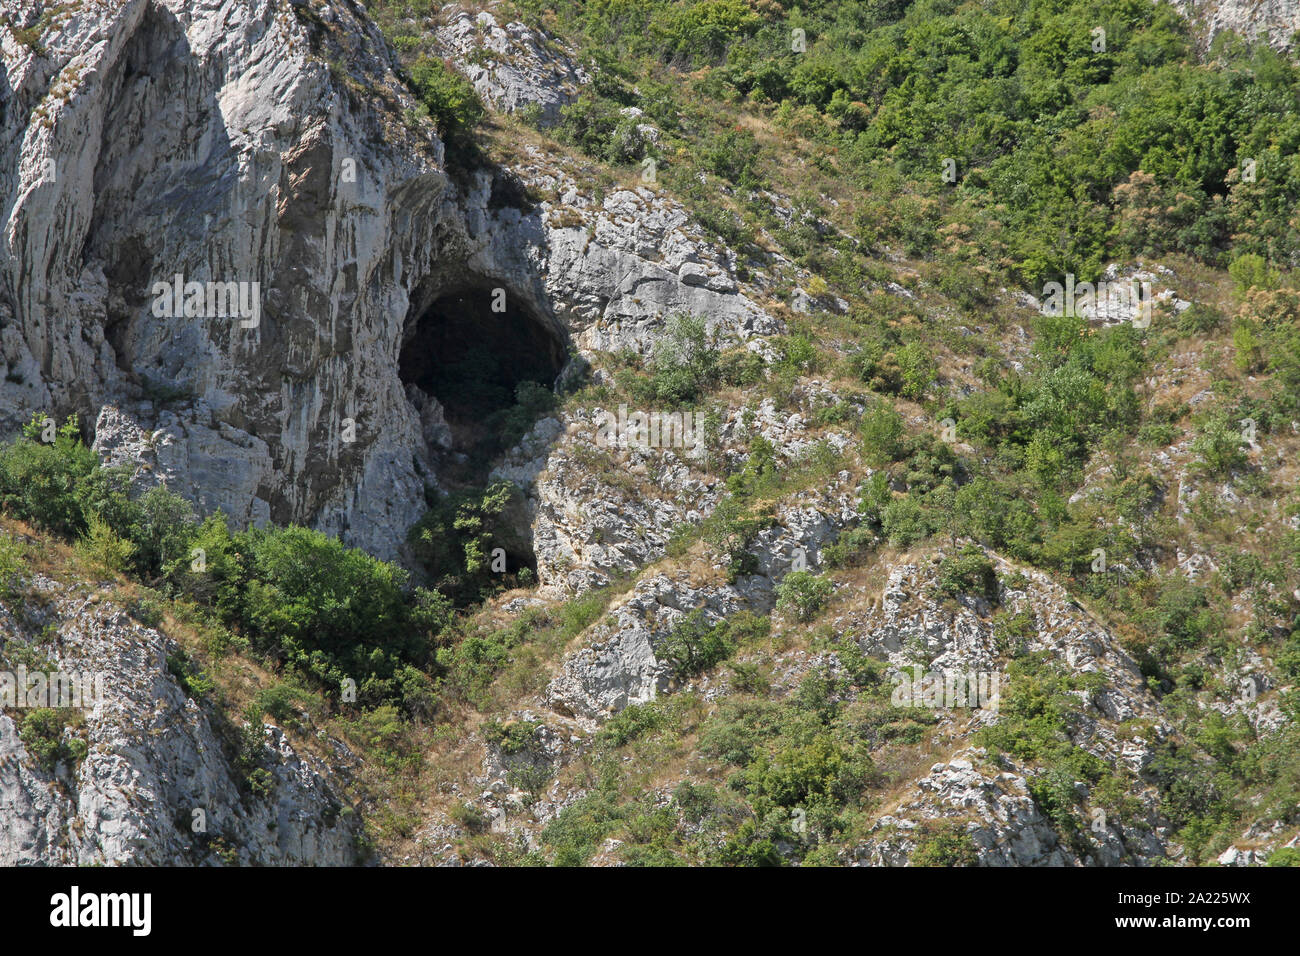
158 784
512 67
1274 21
995 811
617 665
912 624
149 139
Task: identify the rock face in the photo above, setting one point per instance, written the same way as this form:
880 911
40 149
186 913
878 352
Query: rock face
213 143
911 626
157 785
1274 21
143 140
988 803
617 666
998 814
226 237
511 66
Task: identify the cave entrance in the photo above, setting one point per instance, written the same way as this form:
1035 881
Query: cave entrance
474 359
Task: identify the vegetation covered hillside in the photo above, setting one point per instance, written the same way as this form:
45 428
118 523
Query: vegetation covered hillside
919 468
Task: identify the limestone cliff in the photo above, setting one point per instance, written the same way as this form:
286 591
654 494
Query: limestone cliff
146 140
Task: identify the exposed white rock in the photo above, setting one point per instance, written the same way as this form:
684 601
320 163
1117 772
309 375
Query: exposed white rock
1000 818
156 769
511 66
213 142
1274 21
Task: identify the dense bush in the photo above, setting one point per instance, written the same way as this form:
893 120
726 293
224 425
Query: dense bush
694 645
43 737
969 571
802 595
43 481
882 435
450 99
307 602
455 538
596 124
1013 92
631 723
472 657
685 365
945 844
330 610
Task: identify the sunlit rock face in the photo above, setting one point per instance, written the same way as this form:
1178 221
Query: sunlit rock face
1274 21
158 785
214 239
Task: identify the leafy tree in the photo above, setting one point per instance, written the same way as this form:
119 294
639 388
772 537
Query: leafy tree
803 595
694 645
450 99
42 481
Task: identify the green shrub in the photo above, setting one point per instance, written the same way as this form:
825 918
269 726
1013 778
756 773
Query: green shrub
802 595
1219 447
331 611
512 737
590 123
741 367
190 676
455 538
281 701
103 548
1055 793
693 645
1251 271
1284 856
469 817
882 435
581 827
1037 709
732 155
326 611
850 549
1199 319
702 30
631 723
147 611
904 522
12 563
42 735
748 677
730 531
214 571
877 367
945 844
160 529
824 770
969 571
532 401
685 365
798 354
450 99
1182 613
917 370
41 482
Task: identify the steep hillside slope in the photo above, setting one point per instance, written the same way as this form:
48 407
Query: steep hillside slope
727 486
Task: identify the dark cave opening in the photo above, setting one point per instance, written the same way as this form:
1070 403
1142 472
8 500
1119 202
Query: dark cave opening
492 372
474 349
